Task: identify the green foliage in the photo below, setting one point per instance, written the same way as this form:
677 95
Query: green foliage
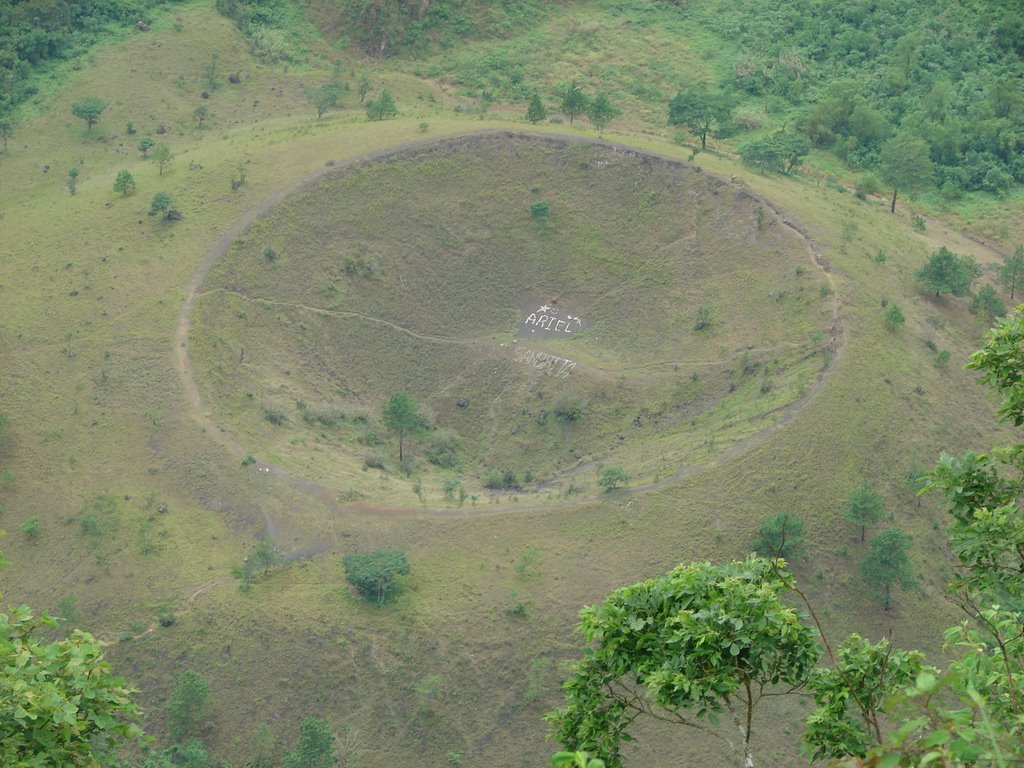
72 180
905 163
987 303
30 527
1012 270
536 111
945 272
60 703
865 508
781 536
501 480
530 557
89 109
163 156
703 319
402 415
601 111
686 646
576 760
611 478
428 692
539 209
161 203
573 100
315 747
698 110
200 113
851 696
326 96
146 143
894 317
780 152
189 706
259 563
383 107
445 449
887 563
124 183
6 131
375 574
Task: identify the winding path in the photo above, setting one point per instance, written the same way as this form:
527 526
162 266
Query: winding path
185 369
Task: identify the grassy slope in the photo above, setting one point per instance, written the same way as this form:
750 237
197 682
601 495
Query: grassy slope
97 407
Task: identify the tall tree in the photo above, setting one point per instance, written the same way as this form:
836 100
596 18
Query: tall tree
698 110
887 564
60 703
163 156
89 109
1012 270
699 641
601 111
124 183
536 111
781 536
573 100
865 508
315 748
382 107
402 415
188 707
945 272
905 163
375 574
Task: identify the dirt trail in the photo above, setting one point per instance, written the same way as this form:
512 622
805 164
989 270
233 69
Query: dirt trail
186 371
187 604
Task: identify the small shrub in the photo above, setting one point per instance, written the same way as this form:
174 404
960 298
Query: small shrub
424 127
703 319
539 209
501 480
270 254
516 611
30 527
880 257
865 185
917 222
445 449
942 359
248 460
373 461
894 318
274 416
166 619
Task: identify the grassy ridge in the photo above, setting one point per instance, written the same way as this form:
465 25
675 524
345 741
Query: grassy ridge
97 407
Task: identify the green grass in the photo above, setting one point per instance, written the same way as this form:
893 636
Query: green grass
92 296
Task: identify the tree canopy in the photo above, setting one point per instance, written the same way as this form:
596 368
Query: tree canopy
945 272
698 110
375 574
865 508
60 703
402 415
89 109
696 643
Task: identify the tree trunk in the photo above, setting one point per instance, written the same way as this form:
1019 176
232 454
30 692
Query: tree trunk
862 529
892 208
401 438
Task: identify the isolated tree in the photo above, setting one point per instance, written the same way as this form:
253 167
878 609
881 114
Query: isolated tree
265 556
781 536
60 703
161 204
315 748
700 641
611 478
865 508
199 114
698 110
945 272
325 96
601 111
89 109
189 706
375 574
987 303
72 180
363 88
778 152
887 564
536 112
6 131
1012 270
573 100
905 163
162 155
894 318
382 107
146 143
402 416
124 183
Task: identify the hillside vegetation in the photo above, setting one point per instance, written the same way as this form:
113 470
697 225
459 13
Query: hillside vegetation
201 533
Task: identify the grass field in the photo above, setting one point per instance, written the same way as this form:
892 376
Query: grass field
105 432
